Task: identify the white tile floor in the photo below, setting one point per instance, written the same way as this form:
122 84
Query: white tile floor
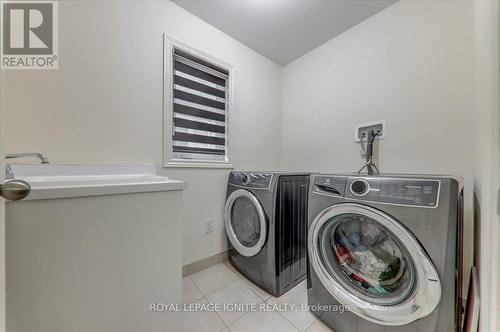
222 284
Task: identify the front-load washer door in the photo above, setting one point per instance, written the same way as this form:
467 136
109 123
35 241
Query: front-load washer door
245 221
373 265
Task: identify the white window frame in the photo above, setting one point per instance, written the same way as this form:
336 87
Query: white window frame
169 44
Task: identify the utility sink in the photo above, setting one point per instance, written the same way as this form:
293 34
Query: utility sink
92 247
59 181
48 187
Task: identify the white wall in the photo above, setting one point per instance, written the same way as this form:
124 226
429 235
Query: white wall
104 104
410 64
486 167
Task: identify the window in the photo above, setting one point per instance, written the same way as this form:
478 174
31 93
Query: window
196 108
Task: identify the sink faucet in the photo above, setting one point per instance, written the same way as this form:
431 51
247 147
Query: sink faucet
8 169
40 156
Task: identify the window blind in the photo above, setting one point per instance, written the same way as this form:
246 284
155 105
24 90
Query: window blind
199 108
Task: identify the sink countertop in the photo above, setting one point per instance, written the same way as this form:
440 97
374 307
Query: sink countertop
50 185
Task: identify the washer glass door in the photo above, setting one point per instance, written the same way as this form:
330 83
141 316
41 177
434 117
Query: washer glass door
370 262
245 222
367 258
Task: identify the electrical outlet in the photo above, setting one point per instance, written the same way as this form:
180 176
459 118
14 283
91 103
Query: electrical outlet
209 226
361 130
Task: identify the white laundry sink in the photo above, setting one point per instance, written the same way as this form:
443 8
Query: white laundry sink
48 187
92 247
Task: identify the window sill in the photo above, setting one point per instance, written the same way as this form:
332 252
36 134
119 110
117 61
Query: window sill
198 164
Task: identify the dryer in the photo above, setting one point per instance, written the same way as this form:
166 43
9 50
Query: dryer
266 225
385 252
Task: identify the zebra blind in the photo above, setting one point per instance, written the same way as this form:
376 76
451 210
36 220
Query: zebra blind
200 91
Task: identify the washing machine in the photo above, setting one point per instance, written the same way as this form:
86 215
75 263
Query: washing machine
384 252
266 226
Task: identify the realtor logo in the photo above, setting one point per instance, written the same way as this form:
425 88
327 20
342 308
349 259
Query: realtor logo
29 35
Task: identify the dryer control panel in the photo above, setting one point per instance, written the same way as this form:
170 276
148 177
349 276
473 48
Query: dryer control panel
251 180
378 189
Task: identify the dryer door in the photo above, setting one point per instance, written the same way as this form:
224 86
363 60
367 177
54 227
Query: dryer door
373 264
245 222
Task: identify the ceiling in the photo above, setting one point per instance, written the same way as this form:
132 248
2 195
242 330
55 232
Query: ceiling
283 30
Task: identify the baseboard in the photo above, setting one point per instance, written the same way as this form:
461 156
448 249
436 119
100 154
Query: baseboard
204 263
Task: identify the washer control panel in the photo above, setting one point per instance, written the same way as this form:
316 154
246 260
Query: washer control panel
399 191
378 189
250 180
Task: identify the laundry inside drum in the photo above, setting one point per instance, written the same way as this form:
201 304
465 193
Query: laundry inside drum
368 258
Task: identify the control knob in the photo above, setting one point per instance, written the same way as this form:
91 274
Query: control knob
245 179
360 187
